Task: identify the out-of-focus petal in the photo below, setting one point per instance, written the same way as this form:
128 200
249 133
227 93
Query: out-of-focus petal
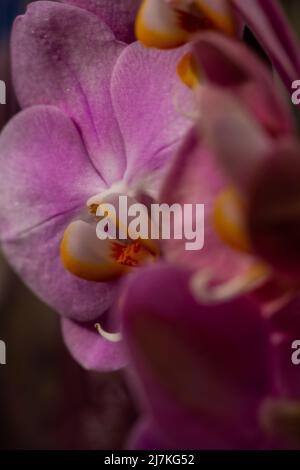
118 15
148 435
46 178
220 13
64 56
268 23
233 136
202 375
44 170
170 23
274 209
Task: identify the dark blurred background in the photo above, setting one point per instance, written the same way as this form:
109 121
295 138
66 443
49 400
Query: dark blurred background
46 400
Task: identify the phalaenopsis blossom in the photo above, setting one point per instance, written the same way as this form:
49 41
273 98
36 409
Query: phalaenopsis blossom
207 377
98 120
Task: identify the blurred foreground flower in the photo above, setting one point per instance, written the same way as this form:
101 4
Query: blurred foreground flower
242 159
99 119
170 23
118 15
208 377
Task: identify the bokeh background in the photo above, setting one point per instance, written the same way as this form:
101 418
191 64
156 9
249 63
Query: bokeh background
46 400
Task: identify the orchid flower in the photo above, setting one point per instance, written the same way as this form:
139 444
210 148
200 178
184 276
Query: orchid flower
242 161
98 120
170 23
207 377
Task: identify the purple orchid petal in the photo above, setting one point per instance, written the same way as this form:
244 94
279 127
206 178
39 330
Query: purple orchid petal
289 378
150 123
64 158
202 376
46 178
216 53
36 257
196 178
91 350
220 63
64 56
118 15
267 21
287 319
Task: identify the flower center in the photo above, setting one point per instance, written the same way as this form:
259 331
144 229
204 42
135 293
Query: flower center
103 257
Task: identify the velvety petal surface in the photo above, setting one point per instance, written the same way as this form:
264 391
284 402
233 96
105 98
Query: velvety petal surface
46 178
91 350
231 65
119 15
201 375
64 56
151 108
